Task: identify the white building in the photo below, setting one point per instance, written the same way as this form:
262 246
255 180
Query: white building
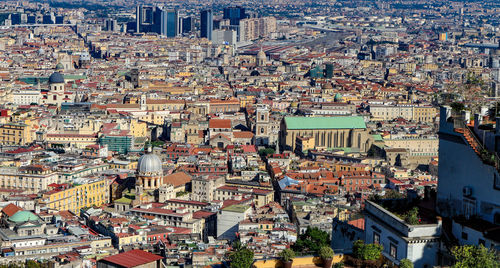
418 243
469 183
228 220
26 96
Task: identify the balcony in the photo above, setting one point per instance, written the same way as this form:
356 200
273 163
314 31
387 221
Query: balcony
480 134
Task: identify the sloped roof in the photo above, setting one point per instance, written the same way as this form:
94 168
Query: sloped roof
10 210
132 258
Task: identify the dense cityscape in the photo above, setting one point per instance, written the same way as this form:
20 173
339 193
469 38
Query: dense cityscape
249 134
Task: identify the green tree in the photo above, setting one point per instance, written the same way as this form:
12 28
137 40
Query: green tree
287 255
412 216
242 258
266 152
311 241
393 194
366 252
474 256
326 253
405 263
457 107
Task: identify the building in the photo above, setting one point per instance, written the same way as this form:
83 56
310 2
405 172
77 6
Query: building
132 258
166 22
234 14
203 187
229 218
187 24
56 95
111 25
149 172
262 125
15 134
32 179
409 112
92 192
206 24
117 143
144 17
469 182
26 97
254 28
419 243
328 132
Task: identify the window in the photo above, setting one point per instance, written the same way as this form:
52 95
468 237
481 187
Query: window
376 238
465 236
496 180
393 251
482 242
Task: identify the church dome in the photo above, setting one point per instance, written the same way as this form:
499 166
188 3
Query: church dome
338 97
59 66
56 78
23 216
149 165
261 55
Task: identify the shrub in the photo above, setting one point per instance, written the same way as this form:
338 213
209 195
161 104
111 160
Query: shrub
366 252
405 263
474 256
311 241
326 253
412 216
338 265
242 258
287 255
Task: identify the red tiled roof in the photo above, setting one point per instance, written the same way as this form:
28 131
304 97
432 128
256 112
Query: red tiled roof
132 258
219 123
11 209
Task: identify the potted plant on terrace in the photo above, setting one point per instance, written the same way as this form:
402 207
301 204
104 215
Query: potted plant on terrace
326 253
286 257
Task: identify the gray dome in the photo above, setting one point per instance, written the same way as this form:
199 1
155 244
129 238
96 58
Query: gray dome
149 165
59 66
56 78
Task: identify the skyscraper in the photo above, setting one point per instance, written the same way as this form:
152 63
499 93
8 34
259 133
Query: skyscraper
187 24
158 20
234 14
15 18
206 24
169 23
144 17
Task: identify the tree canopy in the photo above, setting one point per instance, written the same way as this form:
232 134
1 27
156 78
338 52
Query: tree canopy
312 241
366 252
242 258
474 256
405 263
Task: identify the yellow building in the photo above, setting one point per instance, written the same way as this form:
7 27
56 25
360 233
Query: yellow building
129 239
328 132
424 114
164 104
120 164
15 134
138 129
68 139
303 144
91 193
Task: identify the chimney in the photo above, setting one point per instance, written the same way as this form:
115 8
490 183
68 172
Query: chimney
478 120
466 116
484 110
